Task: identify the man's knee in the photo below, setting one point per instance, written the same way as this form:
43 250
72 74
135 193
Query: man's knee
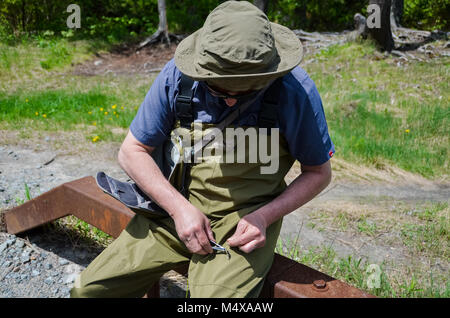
82 291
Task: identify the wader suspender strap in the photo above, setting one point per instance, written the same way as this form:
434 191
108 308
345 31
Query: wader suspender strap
183 103
268 115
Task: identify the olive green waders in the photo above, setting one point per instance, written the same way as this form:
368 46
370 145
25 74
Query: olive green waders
149 246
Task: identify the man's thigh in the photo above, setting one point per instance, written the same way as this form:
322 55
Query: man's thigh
133 262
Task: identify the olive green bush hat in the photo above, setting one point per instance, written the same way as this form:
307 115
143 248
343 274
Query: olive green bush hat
238 49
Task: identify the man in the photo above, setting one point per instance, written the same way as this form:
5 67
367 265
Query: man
235 59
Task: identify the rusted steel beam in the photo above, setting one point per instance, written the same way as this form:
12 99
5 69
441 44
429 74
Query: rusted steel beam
290 279
83 199
38 211
87 202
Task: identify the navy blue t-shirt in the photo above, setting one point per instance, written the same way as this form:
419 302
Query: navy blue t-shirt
300 113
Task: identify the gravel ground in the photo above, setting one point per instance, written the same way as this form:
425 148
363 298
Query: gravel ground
43 263
27 270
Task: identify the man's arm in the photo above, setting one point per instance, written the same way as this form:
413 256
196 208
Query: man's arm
251 229
191 224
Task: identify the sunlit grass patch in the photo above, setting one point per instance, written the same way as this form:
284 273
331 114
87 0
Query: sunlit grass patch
381 114
430 232
62 110
40 57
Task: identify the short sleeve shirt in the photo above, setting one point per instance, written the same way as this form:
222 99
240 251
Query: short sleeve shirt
301 118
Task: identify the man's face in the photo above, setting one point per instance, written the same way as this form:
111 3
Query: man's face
230 98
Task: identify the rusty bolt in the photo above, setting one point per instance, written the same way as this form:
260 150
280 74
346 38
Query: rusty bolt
319 284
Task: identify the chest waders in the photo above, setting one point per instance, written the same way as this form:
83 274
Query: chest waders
225 192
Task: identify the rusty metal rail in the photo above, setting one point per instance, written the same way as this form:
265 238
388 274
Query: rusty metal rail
83 199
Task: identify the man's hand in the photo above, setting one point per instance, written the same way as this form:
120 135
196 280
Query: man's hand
250 233
194 229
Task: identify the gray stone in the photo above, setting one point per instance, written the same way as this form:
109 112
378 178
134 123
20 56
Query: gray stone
11 241
63 261
7 263
69 279
48 266
25 257
49 280
20 244
3 247
35 273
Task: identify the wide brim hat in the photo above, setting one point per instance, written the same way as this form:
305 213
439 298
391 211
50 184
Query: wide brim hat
238 49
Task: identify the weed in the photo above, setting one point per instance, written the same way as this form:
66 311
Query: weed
366 226
27 192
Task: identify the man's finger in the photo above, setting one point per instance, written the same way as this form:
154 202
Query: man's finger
249 247
193 245
239 230
210 233
239 239
204 242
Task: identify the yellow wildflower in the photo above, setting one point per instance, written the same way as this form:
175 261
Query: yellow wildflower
101 109
121 107
94 123
106 113
44 115
26 100
115 113
95 139
37 114
90 113
407 130
113 106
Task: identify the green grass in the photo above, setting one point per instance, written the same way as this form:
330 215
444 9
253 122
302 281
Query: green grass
430 233
359 272
77 230
380 114
39 93
418 231
65 110
43 52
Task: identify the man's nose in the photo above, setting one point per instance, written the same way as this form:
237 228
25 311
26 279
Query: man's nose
230 101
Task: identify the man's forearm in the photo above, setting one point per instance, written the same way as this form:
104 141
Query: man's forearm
141 167
303 189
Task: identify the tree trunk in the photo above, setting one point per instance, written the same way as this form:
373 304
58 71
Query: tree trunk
383 34
261 4
162 34
162 27
396 13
